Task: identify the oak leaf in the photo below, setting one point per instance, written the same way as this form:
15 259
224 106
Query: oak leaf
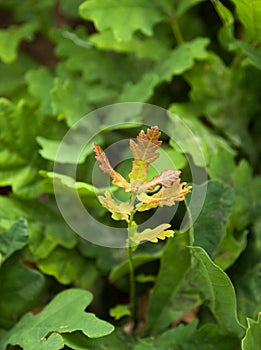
153 235
165 196
144 152
119 211
165 179
106 167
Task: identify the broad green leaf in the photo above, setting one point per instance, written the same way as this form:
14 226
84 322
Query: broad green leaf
46 229
246 187
69 100
19 160
210 226
13 239
247 280
44 330
202 143
230 248
63 184
175 263
116 340
11 37
249 14
252 339
177 8
217 290
21 288
125 17
187 337
253 53
12 76
68 266
149 48
40 83
138 260
176 63
120 311
212 93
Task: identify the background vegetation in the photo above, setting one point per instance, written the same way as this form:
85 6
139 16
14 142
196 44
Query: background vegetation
63 59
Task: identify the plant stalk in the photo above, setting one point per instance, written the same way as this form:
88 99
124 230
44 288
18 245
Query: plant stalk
132 297
132 286
176 30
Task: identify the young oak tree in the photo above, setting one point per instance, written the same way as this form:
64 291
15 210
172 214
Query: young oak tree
144 150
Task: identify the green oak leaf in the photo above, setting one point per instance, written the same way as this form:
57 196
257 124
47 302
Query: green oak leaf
125 18
64 314
21 289
252 339
13 239
19 159
249 14
11 37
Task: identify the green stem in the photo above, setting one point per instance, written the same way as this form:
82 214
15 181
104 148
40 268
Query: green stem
132 285
176 30
132 271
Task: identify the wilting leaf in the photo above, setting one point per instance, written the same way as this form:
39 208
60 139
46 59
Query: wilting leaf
119 212
106 167
165 196
144 152
153 235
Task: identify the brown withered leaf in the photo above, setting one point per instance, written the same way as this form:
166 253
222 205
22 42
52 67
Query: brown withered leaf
144 152
106 167
119 211
165 179
165 196
153 235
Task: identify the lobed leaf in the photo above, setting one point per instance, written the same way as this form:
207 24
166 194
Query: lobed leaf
13 239
165 196
252 339
249 14
44 330
106 167
153 235
119 212
125 18
144 152
165 179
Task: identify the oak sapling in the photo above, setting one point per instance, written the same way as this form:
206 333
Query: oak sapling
171 189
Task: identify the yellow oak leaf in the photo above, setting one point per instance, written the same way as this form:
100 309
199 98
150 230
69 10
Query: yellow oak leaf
165 196
153 235
119 211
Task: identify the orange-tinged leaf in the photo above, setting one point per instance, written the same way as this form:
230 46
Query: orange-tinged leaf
144 152
165 179
119 211
153 235
106 167
165 196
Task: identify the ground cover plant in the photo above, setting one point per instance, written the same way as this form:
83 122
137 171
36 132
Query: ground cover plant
198 288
